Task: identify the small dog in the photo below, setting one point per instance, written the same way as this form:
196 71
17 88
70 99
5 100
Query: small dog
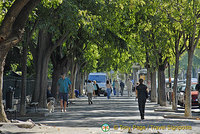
50 106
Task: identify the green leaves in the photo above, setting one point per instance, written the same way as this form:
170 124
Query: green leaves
4 7
51 3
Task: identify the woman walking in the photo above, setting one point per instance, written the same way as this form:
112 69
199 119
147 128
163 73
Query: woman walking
96 89
108 86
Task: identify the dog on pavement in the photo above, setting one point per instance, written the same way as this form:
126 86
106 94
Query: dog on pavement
50 106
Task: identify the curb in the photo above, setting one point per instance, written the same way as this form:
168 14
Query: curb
165 110
181 117
171 110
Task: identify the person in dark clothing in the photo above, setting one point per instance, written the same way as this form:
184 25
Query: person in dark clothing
197 87
49 94
122 87
142 95
96 88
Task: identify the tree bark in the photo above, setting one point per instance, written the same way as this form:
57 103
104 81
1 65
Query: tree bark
135 77
44 51
149 79
78 80
74 70
158 92
188 85
153 86
170 84
82 83
44 81
57 70
24 74
3 117
162 94
193 41
174 97
11 31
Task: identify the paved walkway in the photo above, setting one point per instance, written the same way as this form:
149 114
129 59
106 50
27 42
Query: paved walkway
122 115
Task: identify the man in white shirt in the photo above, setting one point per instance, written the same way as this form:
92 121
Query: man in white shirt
90 89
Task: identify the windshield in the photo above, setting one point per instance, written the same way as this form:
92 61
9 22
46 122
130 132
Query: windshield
98 78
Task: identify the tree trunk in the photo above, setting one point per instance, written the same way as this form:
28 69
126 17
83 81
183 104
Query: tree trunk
24 74
73 79
135 76
78 80
44 81
170 84
149 79
3 117
44 51
57 70
158 92
82 84
188 85
162 94
11 31
174 97
153 86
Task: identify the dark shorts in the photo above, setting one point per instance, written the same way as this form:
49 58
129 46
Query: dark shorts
63 96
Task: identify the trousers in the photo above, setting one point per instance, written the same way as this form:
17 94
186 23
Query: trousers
141 105
89 97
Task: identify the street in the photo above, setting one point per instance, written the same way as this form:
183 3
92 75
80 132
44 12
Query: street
120 113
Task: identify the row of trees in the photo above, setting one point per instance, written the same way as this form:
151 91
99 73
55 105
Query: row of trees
80 36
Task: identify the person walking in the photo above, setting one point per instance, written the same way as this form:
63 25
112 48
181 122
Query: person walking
90 90
197 87
142 95
117 87
113 85
96 89
122 87
129 85
109 88
64 85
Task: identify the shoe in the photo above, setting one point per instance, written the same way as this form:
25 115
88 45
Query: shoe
62 110
65 110
91 102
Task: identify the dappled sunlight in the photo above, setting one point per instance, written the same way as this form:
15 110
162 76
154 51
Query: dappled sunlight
113 112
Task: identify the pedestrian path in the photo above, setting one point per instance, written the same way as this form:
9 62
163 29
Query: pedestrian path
121 114
118 115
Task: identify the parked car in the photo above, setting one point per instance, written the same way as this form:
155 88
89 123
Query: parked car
181 81
181 95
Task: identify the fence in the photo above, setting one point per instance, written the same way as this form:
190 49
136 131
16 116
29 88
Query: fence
16 82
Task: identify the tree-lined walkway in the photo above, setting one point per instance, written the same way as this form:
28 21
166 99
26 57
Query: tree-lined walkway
118 112
83 118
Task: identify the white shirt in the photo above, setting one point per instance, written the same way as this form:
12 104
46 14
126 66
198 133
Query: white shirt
129 85
90 88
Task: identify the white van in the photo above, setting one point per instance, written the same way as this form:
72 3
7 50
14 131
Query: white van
100 78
